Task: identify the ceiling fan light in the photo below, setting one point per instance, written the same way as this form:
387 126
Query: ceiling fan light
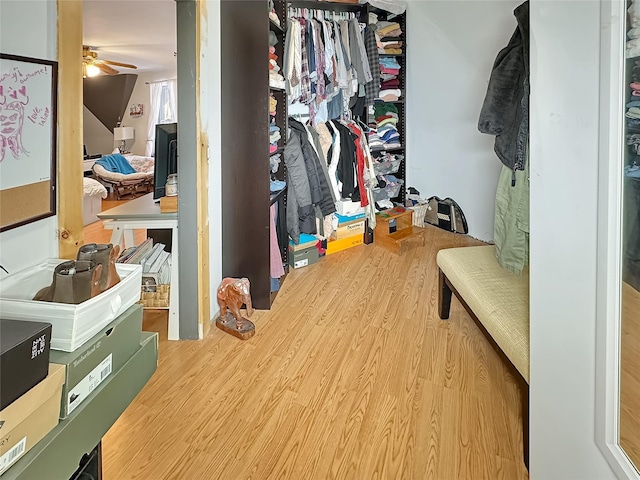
92 70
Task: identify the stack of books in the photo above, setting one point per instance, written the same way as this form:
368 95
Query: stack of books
155 261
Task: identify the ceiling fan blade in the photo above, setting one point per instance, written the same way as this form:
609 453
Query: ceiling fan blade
106 68
119 64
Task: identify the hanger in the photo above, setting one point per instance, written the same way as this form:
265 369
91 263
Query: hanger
363 126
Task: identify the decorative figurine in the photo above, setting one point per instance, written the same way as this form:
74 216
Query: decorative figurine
232 294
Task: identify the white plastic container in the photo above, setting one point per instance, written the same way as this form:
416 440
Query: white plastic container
72 325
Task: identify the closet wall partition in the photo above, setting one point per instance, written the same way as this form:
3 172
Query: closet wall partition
247 127
246 197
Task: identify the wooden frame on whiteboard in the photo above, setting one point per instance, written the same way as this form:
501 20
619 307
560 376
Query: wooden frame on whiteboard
28 104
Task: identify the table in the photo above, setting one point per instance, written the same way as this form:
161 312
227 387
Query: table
144 213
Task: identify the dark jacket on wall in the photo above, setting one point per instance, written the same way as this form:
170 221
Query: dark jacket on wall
505 112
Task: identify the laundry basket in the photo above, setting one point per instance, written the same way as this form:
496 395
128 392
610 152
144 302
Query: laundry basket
419 211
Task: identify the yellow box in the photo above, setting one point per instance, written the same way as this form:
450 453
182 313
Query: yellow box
349 230
27 420
335 246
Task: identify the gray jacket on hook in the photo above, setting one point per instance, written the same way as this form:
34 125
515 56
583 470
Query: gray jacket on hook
505 111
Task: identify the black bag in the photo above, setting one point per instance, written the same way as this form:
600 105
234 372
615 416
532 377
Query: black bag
446 214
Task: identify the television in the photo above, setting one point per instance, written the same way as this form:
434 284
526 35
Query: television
166 156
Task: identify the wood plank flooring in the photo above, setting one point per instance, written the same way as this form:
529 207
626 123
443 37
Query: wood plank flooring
351 375
629 374
96 233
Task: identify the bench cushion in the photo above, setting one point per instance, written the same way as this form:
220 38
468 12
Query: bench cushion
499 298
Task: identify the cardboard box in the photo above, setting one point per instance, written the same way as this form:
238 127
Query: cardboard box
347 207
24 357
72 325
305 241
105 353
335 246
88 423
169 204
349 230
302 258
27 420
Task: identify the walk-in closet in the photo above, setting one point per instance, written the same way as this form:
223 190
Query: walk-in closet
321 85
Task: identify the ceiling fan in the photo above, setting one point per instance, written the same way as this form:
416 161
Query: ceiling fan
92 65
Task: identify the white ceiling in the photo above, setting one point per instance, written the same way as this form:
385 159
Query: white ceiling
140 32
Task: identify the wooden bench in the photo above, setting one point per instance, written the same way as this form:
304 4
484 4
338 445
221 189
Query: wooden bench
498 301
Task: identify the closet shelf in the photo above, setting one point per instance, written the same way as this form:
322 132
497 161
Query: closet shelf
397 55
397 149
276 89
277 28
378 100
277 196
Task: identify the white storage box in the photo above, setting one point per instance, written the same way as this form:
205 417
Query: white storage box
348 208
72 325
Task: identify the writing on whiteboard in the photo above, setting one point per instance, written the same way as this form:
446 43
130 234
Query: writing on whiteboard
14 108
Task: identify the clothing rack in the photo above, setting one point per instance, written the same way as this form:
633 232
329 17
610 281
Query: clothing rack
320 13
331 7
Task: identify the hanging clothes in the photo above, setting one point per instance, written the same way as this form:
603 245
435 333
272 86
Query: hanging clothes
345 169
293 61
511 226
308 186
275 260
372 88
333 65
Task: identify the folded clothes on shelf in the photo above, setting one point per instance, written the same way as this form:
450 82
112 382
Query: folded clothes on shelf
276 185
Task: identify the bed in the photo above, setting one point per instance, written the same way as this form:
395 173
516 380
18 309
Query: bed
94 192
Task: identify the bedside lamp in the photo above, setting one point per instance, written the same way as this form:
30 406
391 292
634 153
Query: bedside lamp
122 134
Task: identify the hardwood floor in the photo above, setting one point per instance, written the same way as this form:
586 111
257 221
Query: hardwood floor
629 374
96 233
351 375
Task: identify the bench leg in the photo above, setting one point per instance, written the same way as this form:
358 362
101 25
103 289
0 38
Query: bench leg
444 296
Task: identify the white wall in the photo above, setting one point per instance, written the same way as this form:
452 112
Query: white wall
210 117
140 94
29 244
451 47
99 139
565 65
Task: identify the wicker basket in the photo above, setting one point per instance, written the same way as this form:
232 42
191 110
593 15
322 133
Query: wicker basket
419 212
157 299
